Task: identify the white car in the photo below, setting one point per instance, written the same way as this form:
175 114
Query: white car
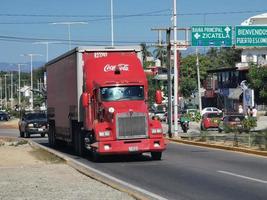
210 109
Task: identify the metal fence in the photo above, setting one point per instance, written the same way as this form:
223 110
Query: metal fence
252 140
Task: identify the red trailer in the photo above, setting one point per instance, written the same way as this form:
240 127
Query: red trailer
97 99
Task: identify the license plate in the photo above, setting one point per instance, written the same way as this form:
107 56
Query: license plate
40 129
133 148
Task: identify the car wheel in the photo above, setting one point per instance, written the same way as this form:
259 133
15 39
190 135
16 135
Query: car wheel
42 134
21 134
27 135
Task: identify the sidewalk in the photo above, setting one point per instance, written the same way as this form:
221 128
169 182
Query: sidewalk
29 173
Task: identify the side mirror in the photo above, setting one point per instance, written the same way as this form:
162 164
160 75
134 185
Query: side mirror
158 97
85 99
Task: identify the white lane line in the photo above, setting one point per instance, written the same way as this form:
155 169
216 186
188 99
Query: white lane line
244 177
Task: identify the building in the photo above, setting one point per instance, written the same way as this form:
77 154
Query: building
223 86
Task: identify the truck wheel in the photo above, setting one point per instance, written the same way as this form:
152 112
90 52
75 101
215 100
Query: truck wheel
95 157
51 134
156 155
78 139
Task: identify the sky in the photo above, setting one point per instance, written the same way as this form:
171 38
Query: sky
25 22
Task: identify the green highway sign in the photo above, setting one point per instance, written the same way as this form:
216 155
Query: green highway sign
218 36
251 36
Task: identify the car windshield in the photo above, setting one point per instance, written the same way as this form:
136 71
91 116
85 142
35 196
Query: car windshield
31 116
214 115
122 93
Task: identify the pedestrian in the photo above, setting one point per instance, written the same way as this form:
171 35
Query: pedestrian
254 112
249 111
240 109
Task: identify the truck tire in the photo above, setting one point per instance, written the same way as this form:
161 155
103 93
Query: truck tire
51 134
156 155
78 138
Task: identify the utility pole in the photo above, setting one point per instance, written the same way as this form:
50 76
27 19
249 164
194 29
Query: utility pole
175 70
198 83
168 40
168 64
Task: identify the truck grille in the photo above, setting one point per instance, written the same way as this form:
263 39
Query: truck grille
131 125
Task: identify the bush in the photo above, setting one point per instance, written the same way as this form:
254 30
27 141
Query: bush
249 123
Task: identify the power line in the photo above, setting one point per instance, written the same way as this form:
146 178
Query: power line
62 41
151 13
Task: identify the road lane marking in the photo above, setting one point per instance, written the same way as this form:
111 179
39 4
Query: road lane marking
244 177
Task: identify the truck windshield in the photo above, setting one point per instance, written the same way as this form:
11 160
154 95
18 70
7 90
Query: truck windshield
122 93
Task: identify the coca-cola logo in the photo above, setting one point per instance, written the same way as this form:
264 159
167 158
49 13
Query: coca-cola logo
121 67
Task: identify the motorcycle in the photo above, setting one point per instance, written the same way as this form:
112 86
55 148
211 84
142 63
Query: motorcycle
184 122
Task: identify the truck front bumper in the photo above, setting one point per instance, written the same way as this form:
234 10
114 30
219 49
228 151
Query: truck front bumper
130 146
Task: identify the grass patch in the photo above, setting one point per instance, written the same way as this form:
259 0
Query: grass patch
21 142
46 156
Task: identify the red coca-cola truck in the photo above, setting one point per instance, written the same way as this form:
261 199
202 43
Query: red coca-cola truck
97 99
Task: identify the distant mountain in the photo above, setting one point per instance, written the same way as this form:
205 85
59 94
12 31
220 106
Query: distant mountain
24 68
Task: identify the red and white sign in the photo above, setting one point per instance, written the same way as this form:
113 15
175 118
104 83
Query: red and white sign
121 67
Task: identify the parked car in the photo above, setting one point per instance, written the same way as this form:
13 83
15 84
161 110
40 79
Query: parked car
33 123
4 116
232 122
211 120
210 109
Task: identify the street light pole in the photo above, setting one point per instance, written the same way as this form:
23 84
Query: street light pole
19 66
11 88
5 91
112 31
68 24
1 85
31 55
47 48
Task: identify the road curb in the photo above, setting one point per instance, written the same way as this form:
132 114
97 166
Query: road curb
95 174
235 149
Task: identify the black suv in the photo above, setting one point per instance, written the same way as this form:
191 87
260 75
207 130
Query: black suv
33 123
4 116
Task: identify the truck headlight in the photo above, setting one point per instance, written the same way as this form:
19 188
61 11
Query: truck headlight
156 130
30 125
111 110
104 133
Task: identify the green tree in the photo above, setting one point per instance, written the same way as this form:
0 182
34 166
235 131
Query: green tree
257 78
188 73
223 57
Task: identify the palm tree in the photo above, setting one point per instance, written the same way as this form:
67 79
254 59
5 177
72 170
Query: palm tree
160 53
146 53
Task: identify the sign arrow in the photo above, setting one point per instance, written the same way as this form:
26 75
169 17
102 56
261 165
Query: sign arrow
197 35
227 30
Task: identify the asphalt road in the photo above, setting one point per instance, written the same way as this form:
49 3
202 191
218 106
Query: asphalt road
187 172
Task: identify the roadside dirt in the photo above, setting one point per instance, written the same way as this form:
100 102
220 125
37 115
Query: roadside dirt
11 124
30 173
